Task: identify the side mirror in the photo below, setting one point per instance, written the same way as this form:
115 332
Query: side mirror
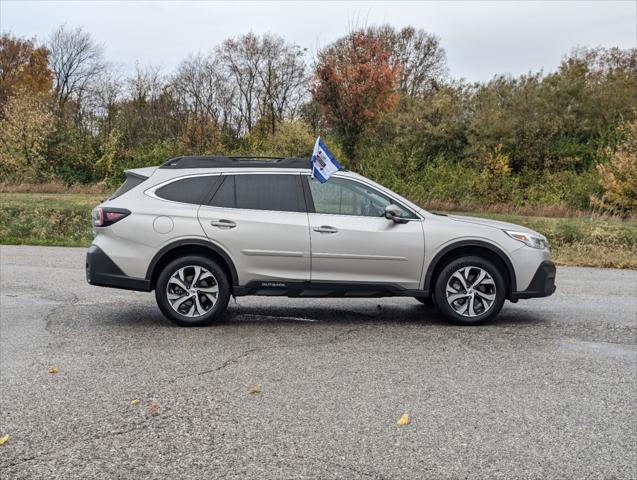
392 212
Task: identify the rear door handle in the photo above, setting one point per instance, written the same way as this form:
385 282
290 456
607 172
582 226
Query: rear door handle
222 223
325 229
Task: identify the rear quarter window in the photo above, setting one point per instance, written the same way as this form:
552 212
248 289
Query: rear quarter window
131 182
188 190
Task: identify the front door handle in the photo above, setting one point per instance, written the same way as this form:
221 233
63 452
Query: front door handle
325 229
222 223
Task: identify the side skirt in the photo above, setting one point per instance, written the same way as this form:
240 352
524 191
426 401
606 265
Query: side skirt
325 289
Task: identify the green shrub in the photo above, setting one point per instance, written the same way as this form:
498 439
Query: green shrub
292 139
142 156
38 225
619 176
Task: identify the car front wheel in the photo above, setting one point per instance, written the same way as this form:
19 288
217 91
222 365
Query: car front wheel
192 291
470 291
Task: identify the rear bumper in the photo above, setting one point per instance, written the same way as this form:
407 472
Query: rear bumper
102 271
542 284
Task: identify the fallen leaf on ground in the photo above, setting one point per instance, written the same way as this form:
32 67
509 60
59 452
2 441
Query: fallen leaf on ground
53 370
134 402
4 439
153 408
255 389
404 420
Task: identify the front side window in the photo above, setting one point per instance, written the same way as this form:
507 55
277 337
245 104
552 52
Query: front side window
346 197
260 192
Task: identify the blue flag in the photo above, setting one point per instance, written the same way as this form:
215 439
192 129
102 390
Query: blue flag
324 163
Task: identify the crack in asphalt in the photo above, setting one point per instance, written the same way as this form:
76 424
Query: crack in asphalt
235 358
145 426
137 428
351 468
230 361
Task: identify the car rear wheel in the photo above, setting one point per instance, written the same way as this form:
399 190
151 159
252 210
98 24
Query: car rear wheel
470 291
192 291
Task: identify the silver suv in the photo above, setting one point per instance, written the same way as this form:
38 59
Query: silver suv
200 229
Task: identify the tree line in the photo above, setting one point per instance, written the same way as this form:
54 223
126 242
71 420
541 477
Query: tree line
383 98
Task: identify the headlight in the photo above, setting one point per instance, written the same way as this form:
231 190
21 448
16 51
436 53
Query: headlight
534 241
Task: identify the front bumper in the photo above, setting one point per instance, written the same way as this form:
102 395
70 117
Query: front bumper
102 271
542 284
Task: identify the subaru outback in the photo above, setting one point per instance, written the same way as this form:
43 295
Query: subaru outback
198 230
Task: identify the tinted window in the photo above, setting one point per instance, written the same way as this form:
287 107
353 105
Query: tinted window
131 182
260 192
188 190
225 196
345 197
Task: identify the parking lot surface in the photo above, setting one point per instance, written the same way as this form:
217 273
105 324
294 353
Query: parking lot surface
547 391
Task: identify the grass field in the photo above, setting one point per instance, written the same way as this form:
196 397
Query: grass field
64 219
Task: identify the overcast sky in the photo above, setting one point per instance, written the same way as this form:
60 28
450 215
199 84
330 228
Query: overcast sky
480 38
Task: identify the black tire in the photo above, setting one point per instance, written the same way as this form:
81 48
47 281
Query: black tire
427 301
481 317
211 315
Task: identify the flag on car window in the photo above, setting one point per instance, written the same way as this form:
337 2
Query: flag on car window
324 163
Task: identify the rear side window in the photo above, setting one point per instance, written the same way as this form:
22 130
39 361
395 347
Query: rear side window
226 195
281 193
188 190
131 182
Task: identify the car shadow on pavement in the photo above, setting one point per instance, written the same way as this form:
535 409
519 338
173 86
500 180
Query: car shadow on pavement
416 314
376 313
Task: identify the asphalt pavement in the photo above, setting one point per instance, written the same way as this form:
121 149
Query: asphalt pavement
549 390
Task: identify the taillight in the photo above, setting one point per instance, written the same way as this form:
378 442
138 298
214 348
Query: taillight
105 216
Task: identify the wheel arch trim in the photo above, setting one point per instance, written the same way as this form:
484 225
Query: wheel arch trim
166 249
471 243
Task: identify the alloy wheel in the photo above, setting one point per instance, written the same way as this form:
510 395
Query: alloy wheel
192 291
471 291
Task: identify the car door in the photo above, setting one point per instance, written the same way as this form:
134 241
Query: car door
260 219
353 242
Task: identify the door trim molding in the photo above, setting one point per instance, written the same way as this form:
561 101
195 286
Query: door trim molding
251 252
354 256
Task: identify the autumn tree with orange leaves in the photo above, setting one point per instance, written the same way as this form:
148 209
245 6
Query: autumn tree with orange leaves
355 83
23 67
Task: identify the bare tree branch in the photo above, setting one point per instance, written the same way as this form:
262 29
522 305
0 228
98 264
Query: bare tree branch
75 59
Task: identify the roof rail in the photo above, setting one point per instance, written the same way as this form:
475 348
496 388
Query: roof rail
235 162
251 157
